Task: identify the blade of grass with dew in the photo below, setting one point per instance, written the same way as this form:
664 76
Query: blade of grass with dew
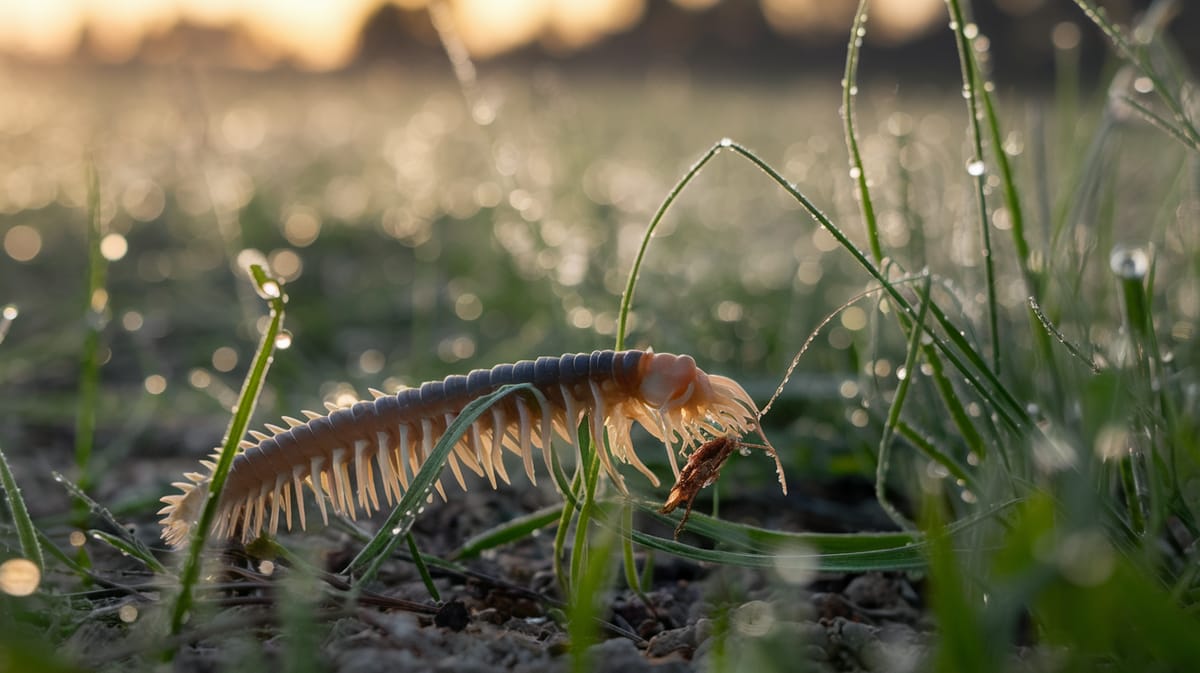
858 30
135 550
1153 22
1016 215
129 543
26 531
921 443
272 291
980 378
366 562
944 387
514 529
1049 327
977 168
95 309
893 417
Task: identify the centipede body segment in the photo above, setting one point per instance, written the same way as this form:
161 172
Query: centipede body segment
350 454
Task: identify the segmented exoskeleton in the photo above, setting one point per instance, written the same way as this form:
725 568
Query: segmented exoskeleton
392 435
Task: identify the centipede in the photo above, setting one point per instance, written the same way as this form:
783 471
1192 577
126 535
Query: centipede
384 442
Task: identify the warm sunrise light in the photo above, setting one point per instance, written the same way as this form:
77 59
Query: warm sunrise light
322 34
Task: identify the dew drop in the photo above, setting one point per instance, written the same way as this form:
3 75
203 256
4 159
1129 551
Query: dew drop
283 340
725 142
11 312
270 290
1129 263
975 168
855 172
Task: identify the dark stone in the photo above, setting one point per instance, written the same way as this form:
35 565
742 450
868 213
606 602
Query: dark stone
453 616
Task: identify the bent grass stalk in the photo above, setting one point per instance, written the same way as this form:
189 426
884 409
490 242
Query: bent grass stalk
272 291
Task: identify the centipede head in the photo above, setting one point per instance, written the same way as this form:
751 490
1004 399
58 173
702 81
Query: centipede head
686 398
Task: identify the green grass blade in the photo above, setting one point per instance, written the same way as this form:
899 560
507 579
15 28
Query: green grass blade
26 532
510 531
95 310
954 347
972 84
129 544
367 562
586 608
858 30
135 550
272 291
591 479
1152 23
422 569
1050 329
893 417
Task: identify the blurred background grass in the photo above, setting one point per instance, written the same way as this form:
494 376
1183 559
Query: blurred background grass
422 233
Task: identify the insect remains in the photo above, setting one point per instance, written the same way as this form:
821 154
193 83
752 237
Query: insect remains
346 457
702 469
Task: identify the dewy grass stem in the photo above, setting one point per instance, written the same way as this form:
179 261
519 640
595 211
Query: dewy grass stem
858 172
893 417
95 311
858 30
977 168
26 532
272 291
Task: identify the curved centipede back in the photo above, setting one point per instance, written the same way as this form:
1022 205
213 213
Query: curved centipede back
344 457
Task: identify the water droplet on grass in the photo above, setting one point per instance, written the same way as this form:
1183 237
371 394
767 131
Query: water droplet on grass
283 340
1129 263
975 167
